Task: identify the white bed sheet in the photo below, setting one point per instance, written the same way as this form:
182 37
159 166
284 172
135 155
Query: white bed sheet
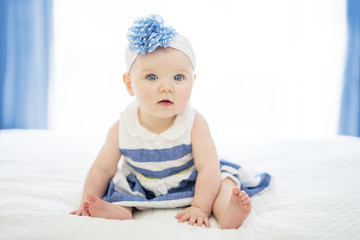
315 192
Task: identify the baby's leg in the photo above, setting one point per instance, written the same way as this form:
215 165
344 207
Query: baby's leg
231 206
97 207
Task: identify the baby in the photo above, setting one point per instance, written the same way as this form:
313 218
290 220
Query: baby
160 154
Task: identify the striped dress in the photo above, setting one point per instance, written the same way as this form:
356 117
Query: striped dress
157 170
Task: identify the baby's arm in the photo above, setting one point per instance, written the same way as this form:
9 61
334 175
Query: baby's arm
103 168
209 178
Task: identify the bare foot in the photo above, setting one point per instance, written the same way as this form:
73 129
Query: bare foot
237 211
86 209
99 208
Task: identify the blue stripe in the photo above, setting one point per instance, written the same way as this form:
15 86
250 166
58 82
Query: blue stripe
114 196
264 183
121 197
265 179
135 186
229 164
164 173
157 155
185 185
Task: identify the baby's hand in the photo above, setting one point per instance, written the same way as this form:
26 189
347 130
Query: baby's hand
194 215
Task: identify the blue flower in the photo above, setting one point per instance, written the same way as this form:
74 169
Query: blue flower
149 33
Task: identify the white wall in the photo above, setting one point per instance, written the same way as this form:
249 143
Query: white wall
265 68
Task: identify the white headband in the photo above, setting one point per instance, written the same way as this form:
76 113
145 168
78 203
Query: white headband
178 42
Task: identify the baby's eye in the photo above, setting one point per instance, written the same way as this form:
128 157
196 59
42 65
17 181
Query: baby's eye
179 77
151 77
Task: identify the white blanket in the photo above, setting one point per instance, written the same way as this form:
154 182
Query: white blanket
315 192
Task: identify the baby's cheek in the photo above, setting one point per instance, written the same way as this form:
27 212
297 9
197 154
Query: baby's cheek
144 94
186 94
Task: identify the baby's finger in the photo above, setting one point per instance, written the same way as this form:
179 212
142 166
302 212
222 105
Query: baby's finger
73 212
200 221
207 222
184 218
192 220
179 215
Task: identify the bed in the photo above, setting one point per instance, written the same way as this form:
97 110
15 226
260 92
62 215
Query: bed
315 192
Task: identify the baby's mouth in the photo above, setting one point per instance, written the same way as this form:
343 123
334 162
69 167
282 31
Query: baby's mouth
165 102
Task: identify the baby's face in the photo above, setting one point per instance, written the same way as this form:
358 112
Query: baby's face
162 82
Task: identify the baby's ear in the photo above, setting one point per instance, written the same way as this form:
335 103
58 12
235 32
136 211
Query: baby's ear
127 82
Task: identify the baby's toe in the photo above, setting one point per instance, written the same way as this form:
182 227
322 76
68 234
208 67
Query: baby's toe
243 194
86 205
236 191
91 198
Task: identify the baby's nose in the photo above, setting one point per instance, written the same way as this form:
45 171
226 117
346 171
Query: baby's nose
166 87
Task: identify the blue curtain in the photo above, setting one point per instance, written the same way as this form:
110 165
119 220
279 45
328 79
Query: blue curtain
350 106
25 43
